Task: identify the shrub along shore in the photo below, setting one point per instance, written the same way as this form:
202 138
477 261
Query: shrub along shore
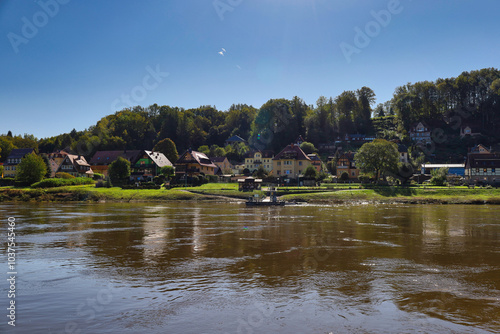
228 192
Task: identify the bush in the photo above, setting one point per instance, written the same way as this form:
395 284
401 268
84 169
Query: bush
159 180
212 178
51 183
63 175
364 178
144 185
98 176
7 181
439 176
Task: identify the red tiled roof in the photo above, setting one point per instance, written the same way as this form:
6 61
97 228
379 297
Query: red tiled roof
107 157
292 152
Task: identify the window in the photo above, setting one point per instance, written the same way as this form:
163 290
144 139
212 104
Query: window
288 171
279 163
279 172
485 170
300 163
477 170
493 170
353 173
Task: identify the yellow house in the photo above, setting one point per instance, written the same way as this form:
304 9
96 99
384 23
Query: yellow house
346 164
13 161
291 162
255 159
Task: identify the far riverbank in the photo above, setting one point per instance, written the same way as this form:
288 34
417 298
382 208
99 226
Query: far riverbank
227 192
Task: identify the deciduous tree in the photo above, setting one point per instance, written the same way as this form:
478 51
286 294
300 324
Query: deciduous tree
377 157
31 169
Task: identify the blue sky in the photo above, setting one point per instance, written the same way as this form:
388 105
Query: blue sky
82 60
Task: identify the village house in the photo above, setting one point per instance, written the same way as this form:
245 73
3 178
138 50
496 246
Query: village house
482 165
316 161
55 159
403 153
299 140
467 131
223 163
193 163
290 162
420 134
453 169
255 159
238 168
102 159
75 165
234 140
13 160
346 164
359 138
148 165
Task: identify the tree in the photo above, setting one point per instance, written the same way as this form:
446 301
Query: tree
332 166
1 170
311 172
31 169
167 171
47 165
439 176
308 147
119 171
167 147
260 172
377 157
6 147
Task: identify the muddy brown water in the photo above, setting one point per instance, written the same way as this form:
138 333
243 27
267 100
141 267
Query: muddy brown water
224 268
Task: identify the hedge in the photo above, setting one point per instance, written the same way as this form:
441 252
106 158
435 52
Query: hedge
6 181
51 183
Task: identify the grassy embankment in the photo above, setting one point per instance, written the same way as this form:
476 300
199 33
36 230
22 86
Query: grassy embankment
216 191
211 191
443 195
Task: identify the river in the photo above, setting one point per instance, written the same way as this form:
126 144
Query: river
186 267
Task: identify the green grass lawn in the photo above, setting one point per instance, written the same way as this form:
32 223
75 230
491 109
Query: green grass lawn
321 194
221 189
404 194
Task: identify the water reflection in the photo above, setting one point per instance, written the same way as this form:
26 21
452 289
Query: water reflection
414 266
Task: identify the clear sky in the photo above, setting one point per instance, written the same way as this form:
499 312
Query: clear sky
67 63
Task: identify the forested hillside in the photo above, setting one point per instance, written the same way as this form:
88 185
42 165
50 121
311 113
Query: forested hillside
472 98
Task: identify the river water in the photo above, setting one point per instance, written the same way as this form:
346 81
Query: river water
225 268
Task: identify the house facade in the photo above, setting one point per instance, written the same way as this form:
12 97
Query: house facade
482 165
403 153
102 159
223 164
255 159
467 131
13 160
316 161
75 165
148 165
346 164
193 163
420 134
290 162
